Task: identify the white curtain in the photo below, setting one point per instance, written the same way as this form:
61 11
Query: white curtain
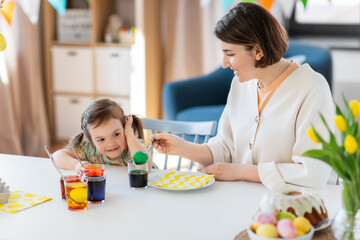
182 39
190 46
212 12
23 122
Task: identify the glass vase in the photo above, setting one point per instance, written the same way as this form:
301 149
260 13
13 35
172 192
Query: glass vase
343 228
346 223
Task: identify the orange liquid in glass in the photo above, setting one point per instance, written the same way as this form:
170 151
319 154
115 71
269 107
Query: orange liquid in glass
91 171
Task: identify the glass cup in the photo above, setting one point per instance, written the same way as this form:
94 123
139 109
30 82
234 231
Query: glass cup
76 194
95 174
138 174
94 170
70 176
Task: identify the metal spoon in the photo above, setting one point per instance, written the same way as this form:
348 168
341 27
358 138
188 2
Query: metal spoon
77 157
53 162
150 146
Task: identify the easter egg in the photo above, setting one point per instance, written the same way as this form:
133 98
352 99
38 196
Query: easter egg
286 228
79 195
254 226
2 43
300 233
140 157
267 230
266 218
302 224
288 215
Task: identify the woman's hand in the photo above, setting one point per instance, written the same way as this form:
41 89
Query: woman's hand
223 171
233 172
173 145
128 125
168 143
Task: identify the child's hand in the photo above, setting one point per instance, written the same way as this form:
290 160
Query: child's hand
128 125
78 166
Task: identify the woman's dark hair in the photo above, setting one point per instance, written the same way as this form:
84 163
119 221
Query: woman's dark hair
249 24
100 111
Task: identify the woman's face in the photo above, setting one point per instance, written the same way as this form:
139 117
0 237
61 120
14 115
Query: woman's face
109 138
240 60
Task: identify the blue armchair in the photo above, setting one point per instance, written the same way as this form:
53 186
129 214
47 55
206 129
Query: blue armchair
203 98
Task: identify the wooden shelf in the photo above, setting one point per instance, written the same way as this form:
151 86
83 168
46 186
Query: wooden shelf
74 93
111 96
76 44
103 44
145 15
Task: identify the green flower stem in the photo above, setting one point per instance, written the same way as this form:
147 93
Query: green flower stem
349 208
351 199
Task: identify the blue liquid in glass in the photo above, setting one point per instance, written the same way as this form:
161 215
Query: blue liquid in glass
96 189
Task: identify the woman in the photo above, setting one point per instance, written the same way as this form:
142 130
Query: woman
271 104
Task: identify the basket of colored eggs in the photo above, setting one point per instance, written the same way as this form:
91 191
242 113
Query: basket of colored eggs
280 225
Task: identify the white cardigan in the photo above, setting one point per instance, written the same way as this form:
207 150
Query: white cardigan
275 140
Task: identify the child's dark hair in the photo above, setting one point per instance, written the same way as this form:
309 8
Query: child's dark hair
98 112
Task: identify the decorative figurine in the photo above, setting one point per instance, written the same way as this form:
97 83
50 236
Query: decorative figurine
113 25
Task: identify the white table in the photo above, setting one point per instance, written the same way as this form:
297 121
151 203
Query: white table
219 211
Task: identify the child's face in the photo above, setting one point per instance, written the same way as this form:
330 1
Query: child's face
109 138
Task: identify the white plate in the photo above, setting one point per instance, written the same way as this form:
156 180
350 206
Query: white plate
323 224
161 174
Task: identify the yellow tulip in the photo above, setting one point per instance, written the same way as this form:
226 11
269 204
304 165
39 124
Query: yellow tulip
340 123
350 144
2 43
312 136
355 108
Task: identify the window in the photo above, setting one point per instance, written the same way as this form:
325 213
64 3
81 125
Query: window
324 17
329 12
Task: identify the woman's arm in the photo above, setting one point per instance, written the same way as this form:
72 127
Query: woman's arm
304 171
173 145
200 153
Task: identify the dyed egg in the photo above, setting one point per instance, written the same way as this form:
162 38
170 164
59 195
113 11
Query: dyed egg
300 233
267 230
286 228
140 157
288 215
254 226
264 218
302 224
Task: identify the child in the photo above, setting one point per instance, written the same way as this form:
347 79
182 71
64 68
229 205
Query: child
110 137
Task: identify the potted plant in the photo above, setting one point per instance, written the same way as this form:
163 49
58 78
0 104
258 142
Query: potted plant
344 158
